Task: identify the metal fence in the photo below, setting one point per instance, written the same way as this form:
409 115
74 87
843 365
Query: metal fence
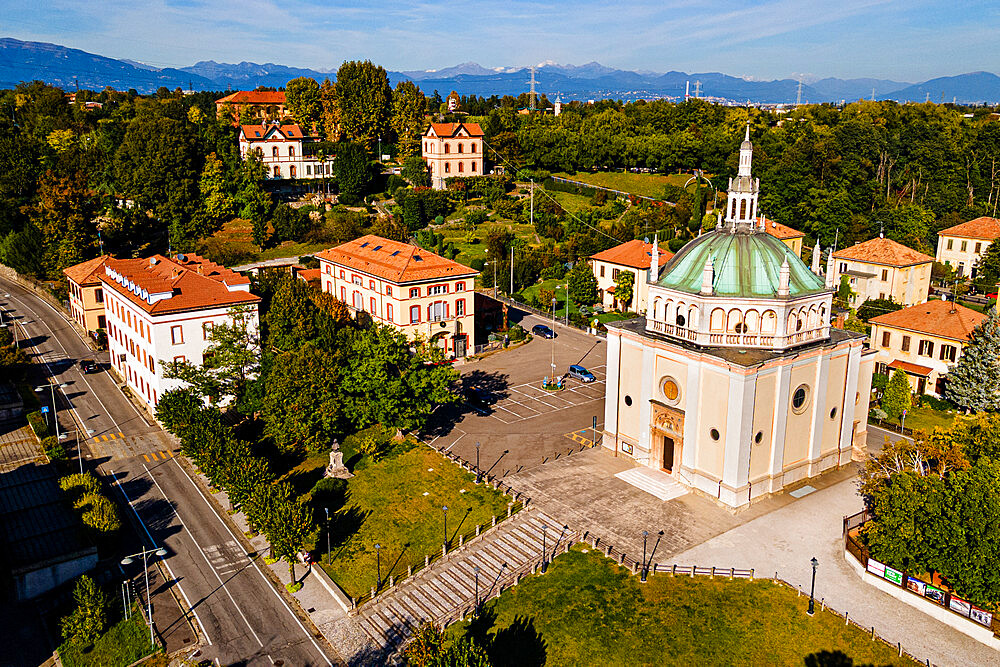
890 426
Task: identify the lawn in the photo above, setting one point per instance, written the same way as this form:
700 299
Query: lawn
123 644
588 611
648 185
397 503
927 419
469 251
569 201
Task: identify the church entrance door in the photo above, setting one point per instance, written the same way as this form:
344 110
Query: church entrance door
668 454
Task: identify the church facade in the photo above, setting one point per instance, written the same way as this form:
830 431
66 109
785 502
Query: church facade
735 383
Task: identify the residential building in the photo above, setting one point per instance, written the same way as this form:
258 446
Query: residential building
453 149
735 384
790 237
633 256
882 269
925 341
454 101
419 293
163 309
248 105
285 150
86 295
962 245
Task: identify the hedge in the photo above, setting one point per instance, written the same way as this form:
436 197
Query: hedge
572 188
38 424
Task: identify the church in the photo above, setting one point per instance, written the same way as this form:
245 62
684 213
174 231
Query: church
734 382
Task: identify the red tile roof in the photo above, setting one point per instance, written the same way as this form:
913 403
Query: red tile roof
308 275
87 273
780 231
913 369
883 251
393 261
980 228
445 130
192 282
252 132
635 254
253 97
937 318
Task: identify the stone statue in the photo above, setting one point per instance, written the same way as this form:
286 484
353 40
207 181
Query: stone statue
337 468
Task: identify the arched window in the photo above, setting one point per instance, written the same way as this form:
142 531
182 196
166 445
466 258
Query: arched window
769 322
656 308
447 148
692 317
472 147
473 166
291 151
752 321
743 209
735 323
447 167
792 322
732 213
460 148
461 166
277 172
425 147
813 318
274 151
718 320
291 171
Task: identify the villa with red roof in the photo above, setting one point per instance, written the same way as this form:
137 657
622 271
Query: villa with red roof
417 292
86 296
882 269
285 151
453 149
924 341
961 246
635 256
161 309
245 105
790 237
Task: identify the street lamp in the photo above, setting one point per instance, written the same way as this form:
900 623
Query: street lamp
645 534
161 552
444 510
476 570
378 564
494 263
566 287
544 550
478 469
552 356
812 590
90 432
327 510
52 386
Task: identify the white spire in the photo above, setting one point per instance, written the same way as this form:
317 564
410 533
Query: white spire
741 199
815 262
829 269
707 277
784 275
654 260
746 154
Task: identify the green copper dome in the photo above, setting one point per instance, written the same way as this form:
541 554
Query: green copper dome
745 265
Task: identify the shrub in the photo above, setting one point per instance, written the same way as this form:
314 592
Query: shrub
54 449
98 512
478 264
38 423
86 623
554 272
393 182
475 217
676 244
937 403
79 485
516 332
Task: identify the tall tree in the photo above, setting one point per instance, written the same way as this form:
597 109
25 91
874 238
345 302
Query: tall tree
88 620
364 99
353 169
301 407
290 528
974 382
65 215
302 95
898 395
408 118
216 197
624 289
582 283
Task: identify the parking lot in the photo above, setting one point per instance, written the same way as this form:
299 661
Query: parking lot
528 400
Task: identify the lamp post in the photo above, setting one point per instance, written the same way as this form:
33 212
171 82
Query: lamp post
52 386
378 565
444 510
812 590
566 287
544 550
478 469
79 457
552 359
476 570
645 534
327 510
161 552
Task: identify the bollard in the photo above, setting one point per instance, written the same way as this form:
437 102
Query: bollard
477 530
713 572
822 604
635 567
353 604
461 540
392 581
593 542
622 561
654 568
444 549
494 519
608 554
846 620
873 633
427 560
899 649
751 574
409 570
673 570
373 592
510 509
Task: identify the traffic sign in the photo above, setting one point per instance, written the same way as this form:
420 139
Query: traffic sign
45 409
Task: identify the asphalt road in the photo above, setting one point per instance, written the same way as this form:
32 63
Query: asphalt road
243 619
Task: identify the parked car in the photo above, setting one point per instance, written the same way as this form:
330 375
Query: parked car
543 331
580 373
89 366
479 400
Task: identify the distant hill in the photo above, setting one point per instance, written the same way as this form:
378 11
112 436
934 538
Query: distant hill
66 67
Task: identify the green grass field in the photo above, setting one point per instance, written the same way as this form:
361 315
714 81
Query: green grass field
123 644
588 611
928 419
470 251
397 504
647 185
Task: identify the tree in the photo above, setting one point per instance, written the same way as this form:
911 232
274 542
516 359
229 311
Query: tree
302 96
624 285
390 227
415 171
98 512
408 118
65 214
898 395
301 407
290 224
844 291
90 617
177 408
582 284
364 99
875 307
216 199
254 204
428 650
353 169
974 382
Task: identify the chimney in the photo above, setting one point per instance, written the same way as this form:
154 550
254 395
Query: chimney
201 269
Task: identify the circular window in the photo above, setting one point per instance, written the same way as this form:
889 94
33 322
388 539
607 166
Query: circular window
833 413
757 438
628 400
800 399
714 433
680 320
670 390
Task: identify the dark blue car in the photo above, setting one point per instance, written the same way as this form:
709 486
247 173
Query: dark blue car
543 331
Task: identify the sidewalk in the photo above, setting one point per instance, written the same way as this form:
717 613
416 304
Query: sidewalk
785 540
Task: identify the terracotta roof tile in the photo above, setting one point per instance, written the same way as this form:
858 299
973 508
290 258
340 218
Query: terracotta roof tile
252 132
393 261
780 231
980 228
883 251
913 369
935 318
253 97
635 254
87 273
445 130
193 283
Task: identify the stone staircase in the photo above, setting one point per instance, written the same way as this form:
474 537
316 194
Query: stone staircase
445 588
653 482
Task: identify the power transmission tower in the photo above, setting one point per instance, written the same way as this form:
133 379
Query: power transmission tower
798 94
697 88
533 104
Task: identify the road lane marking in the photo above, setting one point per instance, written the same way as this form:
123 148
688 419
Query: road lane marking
111 435
104 438
97 439
153 454
145 457
121 435
170 454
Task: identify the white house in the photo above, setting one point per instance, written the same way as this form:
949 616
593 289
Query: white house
453 149
163 309
962 245
882 269
285 150
633 256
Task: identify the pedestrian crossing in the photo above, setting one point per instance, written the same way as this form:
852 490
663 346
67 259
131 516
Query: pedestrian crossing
109 436
163 456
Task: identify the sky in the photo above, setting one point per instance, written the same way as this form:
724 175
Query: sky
910 40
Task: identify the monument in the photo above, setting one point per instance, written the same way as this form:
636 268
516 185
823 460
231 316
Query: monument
337 468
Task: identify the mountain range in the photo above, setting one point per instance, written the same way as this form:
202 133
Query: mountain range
68 68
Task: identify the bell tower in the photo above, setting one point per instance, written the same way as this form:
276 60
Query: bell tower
741 204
